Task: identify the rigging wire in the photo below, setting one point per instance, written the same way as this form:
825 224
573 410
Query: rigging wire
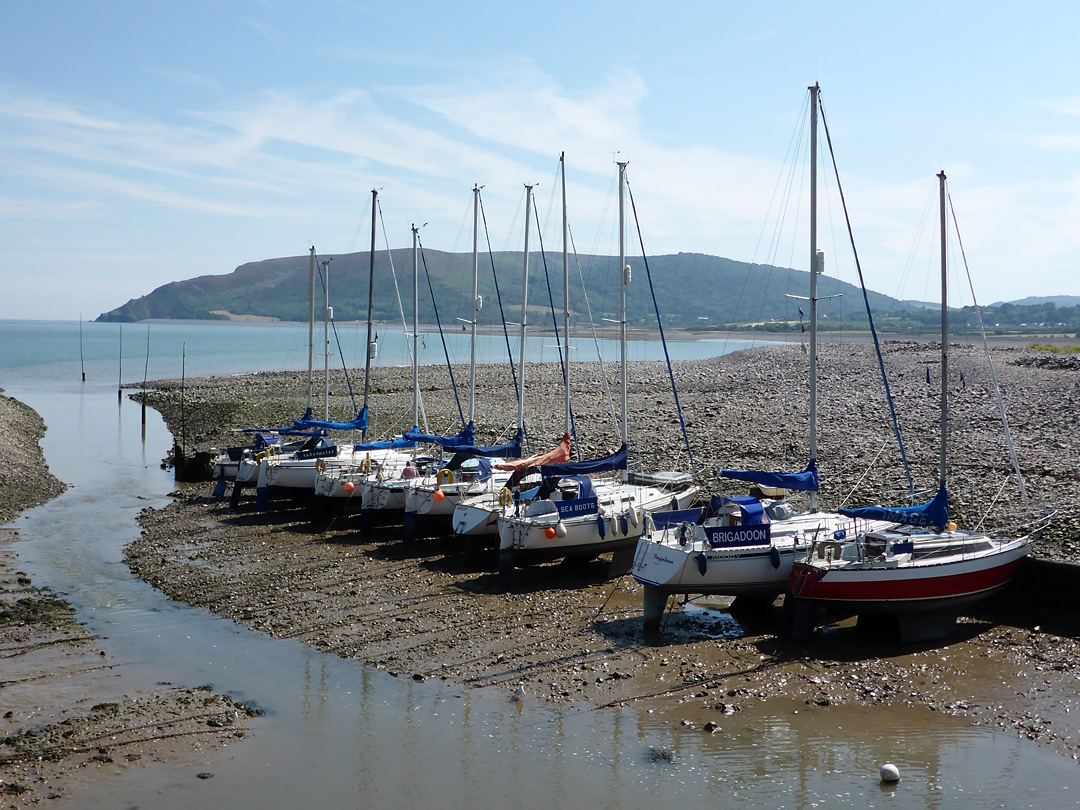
337 338
498 297
990 360
866 301
563 361
401 309
663 340
438 323
596 339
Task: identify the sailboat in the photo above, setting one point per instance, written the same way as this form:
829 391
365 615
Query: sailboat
376 479
311 438
478 515
472 471
296 475
922 571
573 515
744 546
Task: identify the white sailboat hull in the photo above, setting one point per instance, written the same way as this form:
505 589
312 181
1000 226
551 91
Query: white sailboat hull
617 524
681 559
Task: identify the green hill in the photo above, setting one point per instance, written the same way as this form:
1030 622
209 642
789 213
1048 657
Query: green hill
693 291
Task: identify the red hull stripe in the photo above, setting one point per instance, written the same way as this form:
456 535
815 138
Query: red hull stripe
888 588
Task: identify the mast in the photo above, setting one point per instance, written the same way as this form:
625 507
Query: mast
370 300
328 316
814 270
944 333
476 301
415 325
624 273
524 309
311 334
566 297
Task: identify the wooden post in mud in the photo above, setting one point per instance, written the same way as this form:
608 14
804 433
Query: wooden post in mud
82 362
120 372
179 463
146 369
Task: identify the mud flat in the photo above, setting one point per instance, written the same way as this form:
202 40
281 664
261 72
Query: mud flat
66 717
565 633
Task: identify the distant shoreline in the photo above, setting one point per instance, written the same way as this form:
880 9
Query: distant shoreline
612 333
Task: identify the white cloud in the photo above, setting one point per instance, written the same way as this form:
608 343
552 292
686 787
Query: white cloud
1064 106
289 168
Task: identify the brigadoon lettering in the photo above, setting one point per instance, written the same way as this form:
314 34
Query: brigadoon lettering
726 536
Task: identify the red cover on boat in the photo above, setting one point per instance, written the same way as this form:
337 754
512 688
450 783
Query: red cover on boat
560 455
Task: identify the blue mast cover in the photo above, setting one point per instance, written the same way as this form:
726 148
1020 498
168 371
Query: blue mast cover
359 423
393 444
463 439
806 481
935 513
511 449
616 461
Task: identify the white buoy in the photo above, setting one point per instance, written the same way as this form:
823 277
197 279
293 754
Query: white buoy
890 773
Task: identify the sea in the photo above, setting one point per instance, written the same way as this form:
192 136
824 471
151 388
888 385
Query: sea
338 734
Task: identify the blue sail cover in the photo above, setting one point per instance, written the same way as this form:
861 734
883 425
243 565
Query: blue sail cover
935 513
511 449
662 520
393 444
806 481
464 439
549 485
359 423
461 456
616 461
261 434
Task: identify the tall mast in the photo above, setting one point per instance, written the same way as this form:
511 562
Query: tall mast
566 296
311 337
524 309
328 316
944 332
814 270
415 325
624 279
476 301
370 302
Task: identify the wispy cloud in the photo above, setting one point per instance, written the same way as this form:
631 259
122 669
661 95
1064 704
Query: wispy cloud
286 158
1064 106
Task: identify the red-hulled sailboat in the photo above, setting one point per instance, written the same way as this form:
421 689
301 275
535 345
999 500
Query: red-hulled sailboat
922 571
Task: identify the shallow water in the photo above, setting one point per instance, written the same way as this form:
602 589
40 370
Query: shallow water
338 734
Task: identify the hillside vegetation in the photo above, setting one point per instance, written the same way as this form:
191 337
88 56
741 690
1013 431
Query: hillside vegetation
693 291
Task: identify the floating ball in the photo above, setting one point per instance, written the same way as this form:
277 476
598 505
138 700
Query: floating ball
890 773
550 532
439 495
348 486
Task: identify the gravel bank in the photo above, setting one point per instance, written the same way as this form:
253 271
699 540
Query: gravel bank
565 633
744 410
25 480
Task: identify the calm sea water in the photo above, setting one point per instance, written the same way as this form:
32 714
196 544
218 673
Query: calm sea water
339 734
49 351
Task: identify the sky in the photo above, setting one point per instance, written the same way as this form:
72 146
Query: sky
148 142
